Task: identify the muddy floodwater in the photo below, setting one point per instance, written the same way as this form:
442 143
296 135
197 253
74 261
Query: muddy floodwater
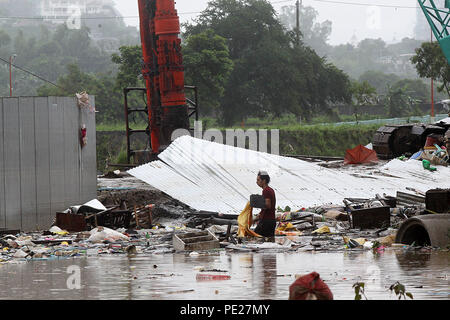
254 275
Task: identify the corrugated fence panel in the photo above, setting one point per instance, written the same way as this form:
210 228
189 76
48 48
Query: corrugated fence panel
89 156
12 163
27 163
43 162
71 151
42 167
2 170
57 182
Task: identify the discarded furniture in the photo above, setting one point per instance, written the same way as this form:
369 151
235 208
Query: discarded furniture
109 218
143 217
113 219
71 222
433 229
438 200
194 241
367 213
376 217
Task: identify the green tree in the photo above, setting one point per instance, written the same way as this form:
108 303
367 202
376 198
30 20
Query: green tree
208 65
108 101
430 62
379 80
129 60
362 94
314 34
245 23
416 89
398 102
271 75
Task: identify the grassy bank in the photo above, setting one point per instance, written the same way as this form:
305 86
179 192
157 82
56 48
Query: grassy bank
325 140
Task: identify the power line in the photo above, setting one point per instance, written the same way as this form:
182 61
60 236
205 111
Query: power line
29 72
366 4
100 18
197 12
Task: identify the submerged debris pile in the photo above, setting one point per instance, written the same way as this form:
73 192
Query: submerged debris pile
322 228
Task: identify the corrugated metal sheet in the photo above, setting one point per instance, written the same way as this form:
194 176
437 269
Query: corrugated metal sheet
215 177
42 166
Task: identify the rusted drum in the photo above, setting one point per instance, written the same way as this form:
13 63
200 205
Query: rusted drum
424 230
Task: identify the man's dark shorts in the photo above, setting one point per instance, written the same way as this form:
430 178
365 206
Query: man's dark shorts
266 228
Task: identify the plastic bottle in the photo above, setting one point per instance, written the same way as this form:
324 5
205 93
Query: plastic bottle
147 236
212 277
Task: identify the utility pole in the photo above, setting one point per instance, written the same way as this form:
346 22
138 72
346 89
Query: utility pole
298 22
432 89
10 73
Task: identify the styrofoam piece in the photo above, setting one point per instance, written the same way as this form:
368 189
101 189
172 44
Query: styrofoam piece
93 204
215 177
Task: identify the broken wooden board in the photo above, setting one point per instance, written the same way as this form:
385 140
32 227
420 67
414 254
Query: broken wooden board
195 241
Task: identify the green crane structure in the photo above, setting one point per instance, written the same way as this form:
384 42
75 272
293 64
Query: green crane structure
439 20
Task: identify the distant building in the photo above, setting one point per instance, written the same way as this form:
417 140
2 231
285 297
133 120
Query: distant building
59 11
422 30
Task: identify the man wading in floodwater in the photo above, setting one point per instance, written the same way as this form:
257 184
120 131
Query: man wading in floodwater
266 219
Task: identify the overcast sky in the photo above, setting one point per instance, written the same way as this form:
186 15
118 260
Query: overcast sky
364 21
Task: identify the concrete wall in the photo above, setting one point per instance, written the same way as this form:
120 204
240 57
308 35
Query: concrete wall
43 168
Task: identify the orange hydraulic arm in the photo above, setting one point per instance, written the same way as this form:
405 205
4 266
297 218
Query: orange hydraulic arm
163 70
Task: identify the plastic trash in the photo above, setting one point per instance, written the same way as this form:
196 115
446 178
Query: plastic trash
368 245
20 254
100 234
57 230
427 165
353 243
387 241
24 243
212 277
324 229
417 155
199 268
92 252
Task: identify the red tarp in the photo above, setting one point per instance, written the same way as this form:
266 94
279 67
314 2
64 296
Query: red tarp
310 283
360 155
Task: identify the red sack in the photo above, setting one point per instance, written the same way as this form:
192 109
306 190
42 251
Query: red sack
310 283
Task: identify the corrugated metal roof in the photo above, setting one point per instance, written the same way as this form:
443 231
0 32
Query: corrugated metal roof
215 177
